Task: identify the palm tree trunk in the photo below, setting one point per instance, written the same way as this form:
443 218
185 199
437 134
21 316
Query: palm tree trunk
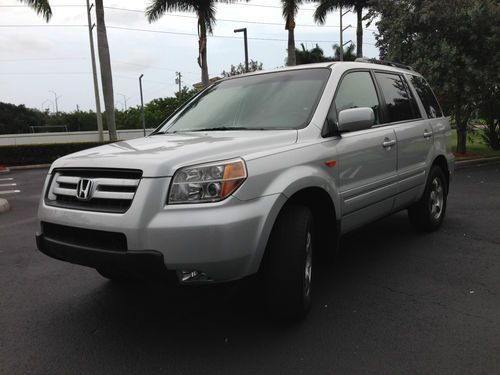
359 32
291 45
106 74
202 45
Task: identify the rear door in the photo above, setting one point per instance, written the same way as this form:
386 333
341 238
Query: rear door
413 135
366 158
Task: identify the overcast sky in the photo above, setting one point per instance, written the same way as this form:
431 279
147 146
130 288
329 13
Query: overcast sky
36 57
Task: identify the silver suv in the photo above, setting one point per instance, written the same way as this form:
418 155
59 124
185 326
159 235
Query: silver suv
257 174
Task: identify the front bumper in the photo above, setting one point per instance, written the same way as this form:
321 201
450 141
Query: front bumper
224 240
140 262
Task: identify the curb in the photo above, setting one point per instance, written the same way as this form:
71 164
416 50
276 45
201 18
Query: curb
34 166
476 162
4 205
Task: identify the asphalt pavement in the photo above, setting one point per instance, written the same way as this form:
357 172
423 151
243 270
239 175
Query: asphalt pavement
395 301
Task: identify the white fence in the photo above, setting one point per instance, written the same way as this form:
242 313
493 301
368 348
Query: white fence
66 137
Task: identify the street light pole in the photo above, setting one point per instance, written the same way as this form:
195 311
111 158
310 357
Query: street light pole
142 106
124 99
94 73
178 80
342 29
244 31
55 97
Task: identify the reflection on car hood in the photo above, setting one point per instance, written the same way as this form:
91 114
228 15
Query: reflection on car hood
162 155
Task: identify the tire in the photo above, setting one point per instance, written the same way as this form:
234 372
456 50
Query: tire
428 213
115 275
288 264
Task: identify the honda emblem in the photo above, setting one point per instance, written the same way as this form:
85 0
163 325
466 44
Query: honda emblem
84 189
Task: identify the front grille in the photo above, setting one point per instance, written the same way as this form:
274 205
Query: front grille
95 239
112 190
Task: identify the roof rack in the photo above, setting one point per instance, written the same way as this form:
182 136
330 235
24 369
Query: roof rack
383 62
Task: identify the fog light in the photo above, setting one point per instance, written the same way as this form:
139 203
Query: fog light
188 276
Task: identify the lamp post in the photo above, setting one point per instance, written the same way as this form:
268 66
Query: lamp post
142 106
244 31
55 97
124 99
342 29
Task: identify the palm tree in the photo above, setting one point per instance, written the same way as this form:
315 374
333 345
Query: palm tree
348 52
314 55
106 75
40 7
326 6
205 11
290 9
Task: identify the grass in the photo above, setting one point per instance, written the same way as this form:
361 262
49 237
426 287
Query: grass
476 147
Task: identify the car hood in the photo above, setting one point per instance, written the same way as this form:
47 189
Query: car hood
161 155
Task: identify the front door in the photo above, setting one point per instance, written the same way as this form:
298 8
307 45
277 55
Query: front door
367 159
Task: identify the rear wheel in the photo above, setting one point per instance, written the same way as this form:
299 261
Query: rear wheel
428 213
288 267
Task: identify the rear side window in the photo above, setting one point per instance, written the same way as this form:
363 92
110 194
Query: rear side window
357 91
397 97
427 97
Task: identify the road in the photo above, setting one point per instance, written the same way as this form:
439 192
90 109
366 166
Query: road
394 302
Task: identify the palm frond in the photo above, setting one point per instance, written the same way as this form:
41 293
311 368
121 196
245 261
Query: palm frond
41 7
157 8
290 8
207 11
324 7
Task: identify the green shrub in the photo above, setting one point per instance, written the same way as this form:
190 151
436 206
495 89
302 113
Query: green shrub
40 154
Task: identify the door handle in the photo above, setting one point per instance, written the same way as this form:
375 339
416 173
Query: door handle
427 134
388 143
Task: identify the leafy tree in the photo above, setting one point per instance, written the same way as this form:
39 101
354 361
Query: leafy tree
448 48
253 66
17 119
327 6
205 11
106 73
41 7
155 111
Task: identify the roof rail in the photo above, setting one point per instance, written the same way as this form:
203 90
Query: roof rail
383 62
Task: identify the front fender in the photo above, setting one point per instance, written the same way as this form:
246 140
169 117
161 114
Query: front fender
267 176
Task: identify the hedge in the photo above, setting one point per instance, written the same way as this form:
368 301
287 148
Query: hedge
40 154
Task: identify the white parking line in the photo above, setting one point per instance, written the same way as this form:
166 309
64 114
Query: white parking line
6 179
9 192
4 185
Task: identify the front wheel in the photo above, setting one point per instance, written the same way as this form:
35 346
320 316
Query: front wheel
428 213
288 267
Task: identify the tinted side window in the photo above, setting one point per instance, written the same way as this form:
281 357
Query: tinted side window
397 97
428 99
356 91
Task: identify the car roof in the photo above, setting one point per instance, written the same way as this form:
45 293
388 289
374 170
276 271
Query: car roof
344 65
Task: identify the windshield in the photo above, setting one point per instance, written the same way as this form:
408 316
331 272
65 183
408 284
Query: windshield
281 100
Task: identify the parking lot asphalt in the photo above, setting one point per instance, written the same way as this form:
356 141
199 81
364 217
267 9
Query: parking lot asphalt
395 301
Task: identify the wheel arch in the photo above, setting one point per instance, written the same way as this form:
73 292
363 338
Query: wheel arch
324 212
441 162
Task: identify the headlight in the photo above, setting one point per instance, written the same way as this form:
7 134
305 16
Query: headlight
203 183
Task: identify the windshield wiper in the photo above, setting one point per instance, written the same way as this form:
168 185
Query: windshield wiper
221 128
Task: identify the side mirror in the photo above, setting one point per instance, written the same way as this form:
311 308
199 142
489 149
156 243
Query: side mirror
356 119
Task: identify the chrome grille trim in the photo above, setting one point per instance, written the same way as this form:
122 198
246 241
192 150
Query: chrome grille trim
109 194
